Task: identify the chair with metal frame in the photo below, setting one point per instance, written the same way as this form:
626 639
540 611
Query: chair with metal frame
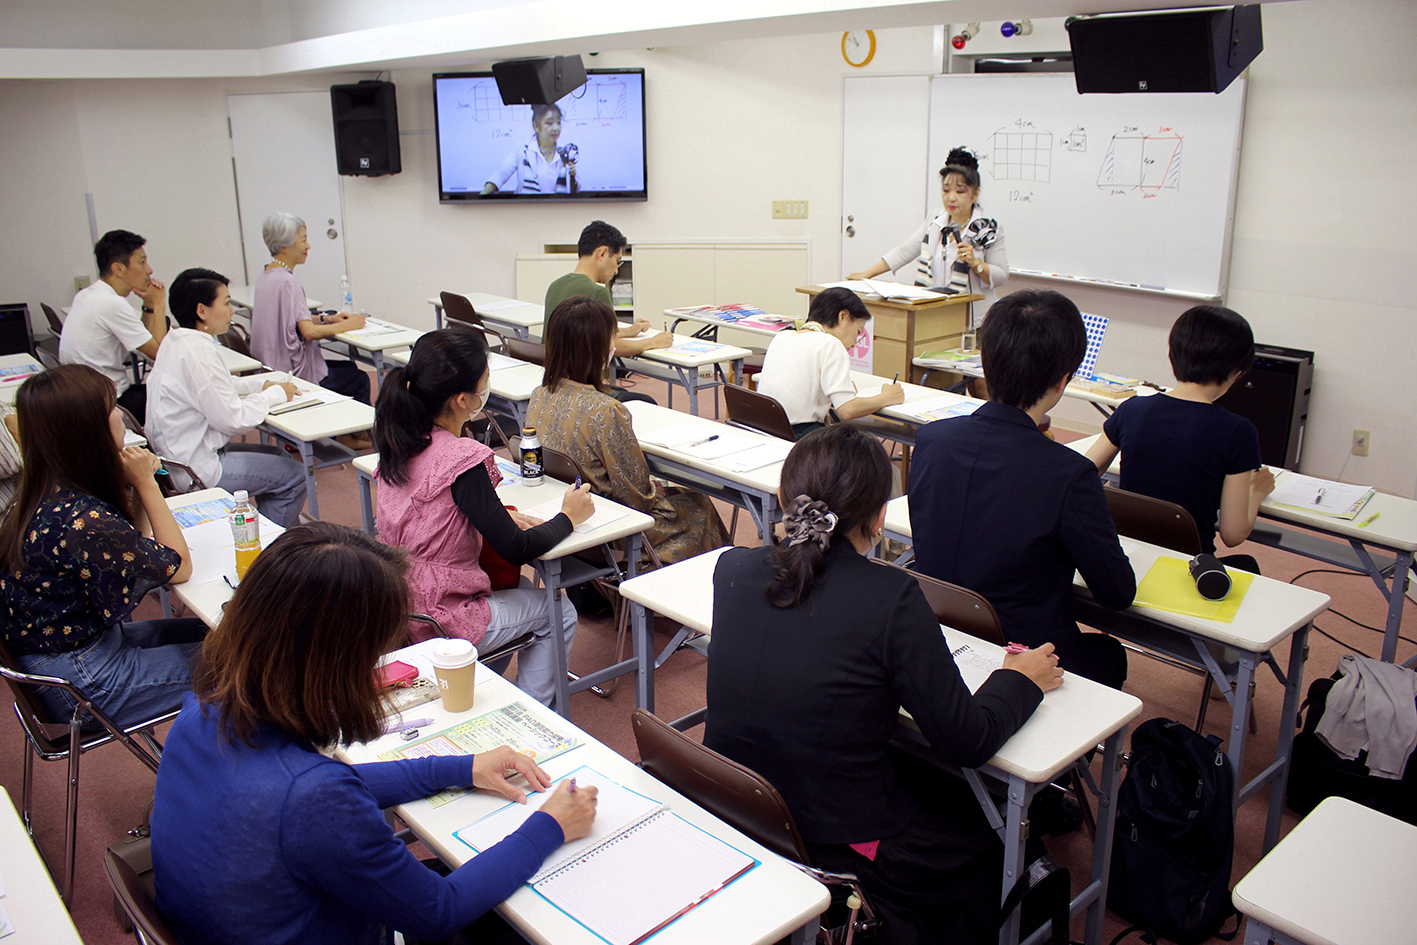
132 895
503 652
46 359
56 324
755 411
532 352
237 338
745 800
165 483
52 740
457 308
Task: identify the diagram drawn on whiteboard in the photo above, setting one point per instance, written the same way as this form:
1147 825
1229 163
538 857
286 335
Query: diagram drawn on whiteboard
1149 163
1076 139
1024 154
599 100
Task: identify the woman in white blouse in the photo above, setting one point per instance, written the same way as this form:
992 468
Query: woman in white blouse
195 405
959 249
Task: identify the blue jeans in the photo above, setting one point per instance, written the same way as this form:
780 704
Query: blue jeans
275 480
132 672
517 612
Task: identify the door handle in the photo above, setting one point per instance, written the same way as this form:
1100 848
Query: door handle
332 233
850 231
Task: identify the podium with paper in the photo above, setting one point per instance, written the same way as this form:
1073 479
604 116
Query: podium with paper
908 323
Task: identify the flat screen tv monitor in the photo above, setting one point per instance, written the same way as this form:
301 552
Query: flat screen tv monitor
589 146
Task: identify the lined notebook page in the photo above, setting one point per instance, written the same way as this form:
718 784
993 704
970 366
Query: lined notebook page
636 884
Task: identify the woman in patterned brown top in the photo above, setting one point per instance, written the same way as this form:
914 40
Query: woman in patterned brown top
573 414
75 559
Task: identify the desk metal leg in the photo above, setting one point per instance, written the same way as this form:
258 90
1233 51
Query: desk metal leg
1102 843
366 503
689 377
437 315
1396 599
1284 749
307 459
1240 723
642 626
807 934
551 574
1020 793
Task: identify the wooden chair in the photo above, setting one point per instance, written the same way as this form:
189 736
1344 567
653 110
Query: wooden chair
743 798
456 308
54 739
754 411
133 894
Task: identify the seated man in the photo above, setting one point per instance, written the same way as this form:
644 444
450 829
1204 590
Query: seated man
599 251
997 507
102 327
195 406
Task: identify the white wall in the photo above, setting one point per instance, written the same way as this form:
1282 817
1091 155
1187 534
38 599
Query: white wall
1325 187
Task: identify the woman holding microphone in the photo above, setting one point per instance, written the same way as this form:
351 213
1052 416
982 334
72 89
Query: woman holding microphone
960 249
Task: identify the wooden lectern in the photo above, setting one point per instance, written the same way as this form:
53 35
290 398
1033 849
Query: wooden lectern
902 331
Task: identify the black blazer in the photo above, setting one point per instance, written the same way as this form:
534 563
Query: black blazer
809 696
997 507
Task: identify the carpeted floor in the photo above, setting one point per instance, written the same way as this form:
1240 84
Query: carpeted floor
114 787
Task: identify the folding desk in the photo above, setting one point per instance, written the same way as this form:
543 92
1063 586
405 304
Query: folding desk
312 430
1070 722
204 593
710 325
1271 613
370 349
772 901
1104 405
244 296
510 388
754 490
560 568
682 367
1343 876
238 363
31 900
9 390
506 314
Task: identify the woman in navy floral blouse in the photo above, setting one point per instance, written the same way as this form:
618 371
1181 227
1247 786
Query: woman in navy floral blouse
75 558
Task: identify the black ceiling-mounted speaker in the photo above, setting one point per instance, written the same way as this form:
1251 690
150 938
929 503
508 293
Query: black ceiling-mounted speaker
366 128
1184 51
538 81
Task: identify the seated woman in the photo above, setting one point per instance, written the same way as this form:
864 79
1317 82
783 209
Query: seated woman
256 835
438 500
76 556
573 413
285 336
809 372
815 650
195 406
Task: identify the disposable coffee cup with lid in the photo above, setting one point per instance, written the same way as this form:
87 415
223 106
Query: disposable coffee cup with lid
455 665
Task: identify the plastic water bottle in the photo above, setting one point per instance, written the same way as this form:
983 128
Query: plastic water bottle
531 457
245 531
346 295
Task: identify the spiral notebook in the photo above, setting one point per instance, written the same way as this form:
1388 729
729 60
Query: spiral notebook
641 867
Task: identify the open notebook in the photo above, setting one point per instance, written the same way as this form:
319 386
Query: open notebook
641 867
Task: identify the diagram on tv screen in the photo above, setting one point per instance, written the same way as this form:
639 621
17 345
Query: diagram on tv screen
1142 163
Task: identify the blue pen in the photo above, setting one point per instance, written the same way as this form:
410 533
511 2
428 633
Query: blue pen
577 484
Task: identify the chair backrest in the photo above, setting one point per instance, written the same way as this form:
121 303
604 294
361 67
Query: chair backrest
561 466
958 607
50 736
533 352
457 308
47 359
724 788
56 324
1153 520
236 339
748 408
137 902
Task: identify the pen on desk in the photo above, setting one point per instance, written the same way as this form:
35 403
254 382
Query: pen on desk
1369 520
707 439
228 582
401 725
1319 498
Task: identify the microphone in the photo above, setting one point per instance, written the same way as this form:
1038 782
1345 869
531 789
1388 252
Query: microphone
1212 580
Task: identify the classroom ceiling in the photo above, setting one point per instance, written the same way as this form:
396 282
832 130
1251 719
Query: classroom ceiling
193 38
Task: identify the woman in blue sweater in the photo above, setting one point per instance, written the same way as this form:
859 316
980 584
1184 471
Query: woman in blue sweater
256 835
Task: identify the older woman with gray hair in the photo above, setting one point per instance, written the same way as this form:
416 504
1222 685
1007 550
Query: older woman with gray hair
285 335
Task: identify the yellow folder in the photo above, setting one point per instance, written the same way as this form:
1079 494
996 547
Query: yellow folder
1168 586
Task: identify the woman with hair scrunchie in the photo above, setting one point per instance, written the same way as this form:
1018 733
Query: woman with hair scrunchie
815 650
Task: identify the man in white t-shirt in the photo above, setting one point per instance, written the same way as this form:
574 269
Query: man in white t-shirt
809 372
102 327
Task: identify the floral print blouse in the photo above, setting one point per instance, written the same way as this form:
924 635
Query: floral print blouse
86 568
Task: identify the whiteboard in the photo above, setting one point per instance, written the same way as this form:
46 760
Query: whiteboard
1129 190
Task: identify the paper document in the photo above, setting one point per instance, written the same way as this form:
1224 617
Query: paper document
938 408
373 327
975 665
898 290
502 305
500 362
1320 496
17 374
6 926
198 512
512 725
605 513
688 349
214 550
702 440
756 457
641 868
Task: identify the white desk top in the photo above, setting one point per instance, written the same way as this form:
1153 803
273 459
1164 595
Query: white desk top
719 354
10 389
527 497
1072 719
649 417
673 314
510 383
236 362
401 338
1085 444
31 900
245 296
763 906
1271 611
1072 390
523 314
914 393
330 419
212 544
1343 876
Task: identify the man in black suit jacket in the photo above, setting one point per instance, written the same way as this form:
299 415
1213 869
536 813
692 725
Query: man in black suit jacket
998 507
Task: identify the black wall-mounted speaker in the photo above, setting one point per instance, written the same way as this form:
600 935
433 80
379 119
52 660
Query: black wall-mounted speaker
1185 51
366 119
538 81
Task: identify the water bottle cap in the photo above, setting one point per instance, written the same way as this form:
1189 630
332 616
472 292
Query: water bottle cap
241 495
528 430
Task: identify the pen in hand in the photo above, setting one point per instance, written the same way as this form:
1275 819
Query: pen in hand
571 785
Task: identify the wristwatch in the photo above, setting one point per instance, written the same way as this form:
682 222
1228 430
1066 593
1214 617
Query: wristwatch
147 310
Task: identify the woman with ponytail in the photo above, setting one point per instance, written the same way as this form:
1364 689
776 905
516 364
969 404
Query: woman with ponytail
438 500
815 650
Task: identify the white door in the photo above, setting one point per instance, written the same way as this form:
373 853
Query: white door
283 149
885 184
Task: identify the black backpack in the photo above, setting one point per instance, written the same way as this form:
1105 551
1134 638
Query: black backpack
1175 834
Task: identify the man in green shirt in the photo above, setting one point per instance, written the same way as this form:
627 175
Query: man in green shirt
599 252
